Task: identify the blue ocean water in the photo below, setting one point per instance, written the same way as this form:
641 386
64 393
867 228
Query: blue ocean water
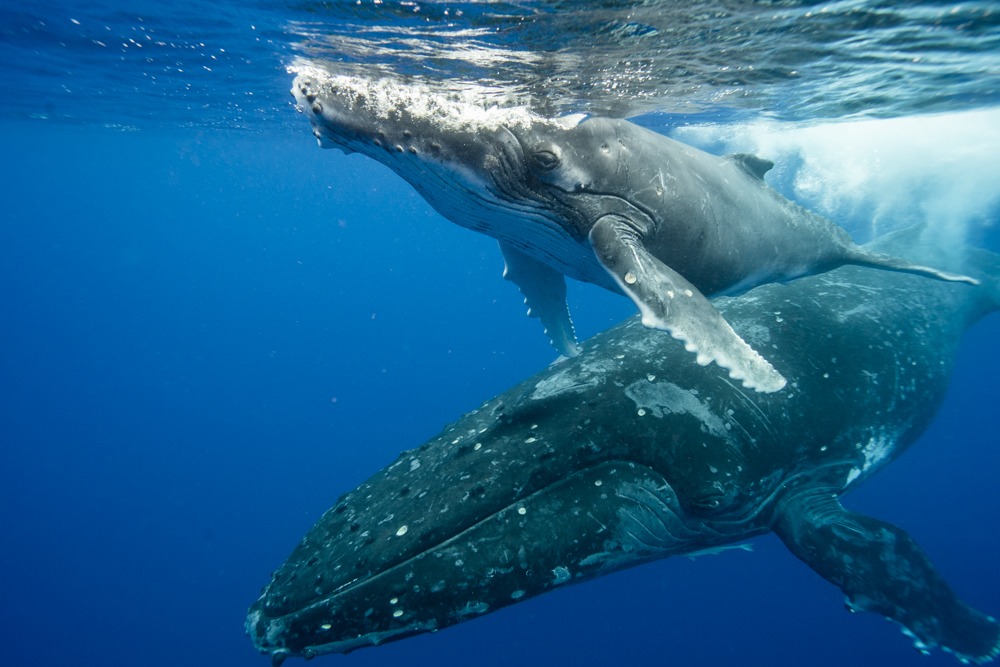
210 329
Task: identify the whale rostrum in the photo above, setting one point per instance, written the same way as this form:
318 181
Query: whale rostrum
599 200
603 461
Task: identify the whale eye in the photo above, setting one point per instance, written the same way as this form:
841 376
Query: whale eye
545 159
708 503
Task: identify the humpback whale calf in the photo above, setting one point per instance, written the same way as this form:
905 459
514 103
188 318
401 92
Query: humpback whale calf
600 463
599 200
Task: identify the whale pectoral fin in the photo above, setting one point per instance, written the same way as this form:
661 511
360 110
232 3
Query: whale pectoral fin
881 569
544 291
669 302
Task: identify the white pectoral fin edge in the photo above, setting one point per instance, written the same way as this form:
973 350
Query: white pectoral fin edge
710 337
667 301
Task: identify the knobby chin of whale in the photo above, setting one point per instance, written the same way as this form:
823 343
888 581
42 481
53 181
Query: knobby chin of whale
603 461
599 200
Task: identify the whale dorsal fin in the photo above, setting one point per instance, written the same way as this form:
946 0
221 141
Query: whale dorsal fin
751 164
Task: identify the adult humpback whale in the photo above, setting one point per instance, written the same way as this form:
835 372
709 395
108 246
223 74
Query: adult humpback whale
599 463
600 200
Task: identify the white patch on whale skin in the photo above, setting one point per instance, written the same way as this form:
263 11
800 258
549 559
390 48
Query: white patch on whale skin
866 309
715 551
876 450
755 334
562 382
664 398
570 121
472 608
574 379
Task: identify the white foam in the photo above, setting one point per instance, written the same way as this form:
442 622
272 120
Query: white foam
470 107
873 176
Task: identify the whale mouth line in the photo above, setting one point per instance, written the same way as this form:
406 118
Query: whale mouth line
513 506
271 632
268 636
345 646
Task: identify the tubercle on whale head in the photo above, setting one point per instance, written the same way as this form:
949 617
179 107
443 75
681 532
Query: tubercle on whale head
346 107
338 114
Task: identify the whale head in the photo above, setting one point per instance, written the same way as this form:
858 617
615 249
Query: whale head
469 154
540 488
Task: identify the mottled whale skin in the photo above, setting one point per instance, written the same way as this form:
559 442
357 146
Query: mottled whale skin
600 200
601 462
